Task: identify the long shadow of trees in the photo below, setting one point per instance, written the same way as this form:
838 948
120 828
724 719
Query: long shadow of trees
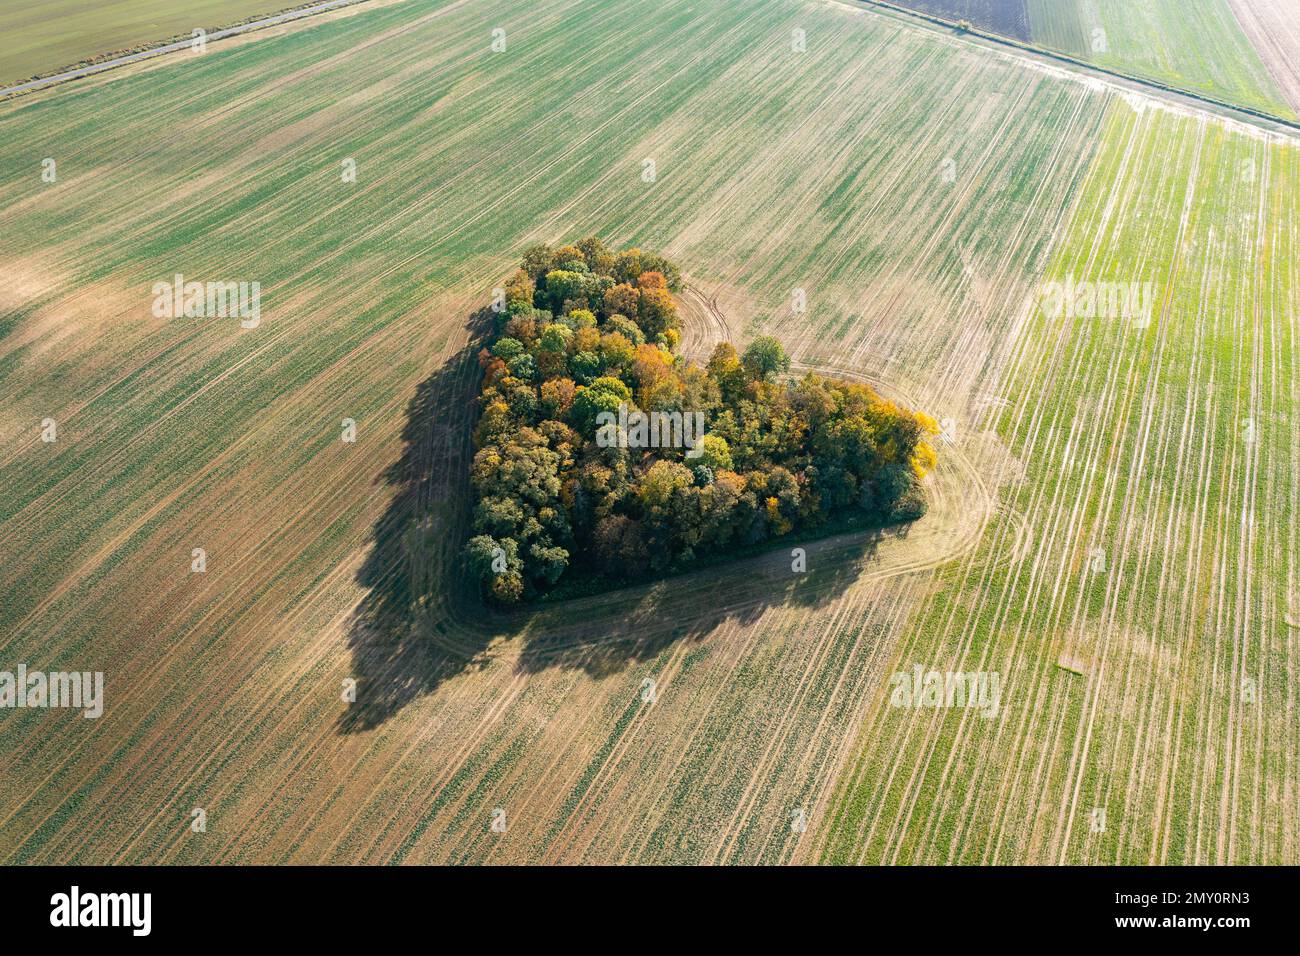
422 623
691 606
409 573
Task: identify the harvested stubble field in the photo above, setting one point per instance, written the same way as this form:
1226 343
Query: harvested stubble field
702 718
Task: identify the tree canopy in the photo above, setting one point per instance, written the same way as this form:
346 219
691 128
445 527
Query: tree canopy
586 337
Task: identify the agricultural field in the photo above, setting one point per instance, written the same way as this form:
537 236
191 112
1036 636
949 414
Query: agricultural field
39 38
1148 637
1009 18
1236 51
1273 28
378 172
1195 45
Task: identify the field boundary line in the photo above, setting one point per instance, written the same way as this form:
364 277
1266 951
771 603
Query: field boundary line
112 61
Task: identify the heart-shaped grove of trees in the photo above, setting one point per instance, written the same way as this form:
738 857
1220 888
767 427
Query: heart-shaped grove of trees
604 458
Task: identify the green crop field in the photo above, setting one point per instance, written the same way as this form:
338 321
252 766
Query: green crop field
40 38
1196 45
1235 51
1146 634
378 173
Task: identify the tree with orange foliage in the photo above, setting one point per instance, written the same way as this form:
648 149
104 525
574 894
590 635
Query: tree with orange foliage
557 397
650 366
656 312
623 299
